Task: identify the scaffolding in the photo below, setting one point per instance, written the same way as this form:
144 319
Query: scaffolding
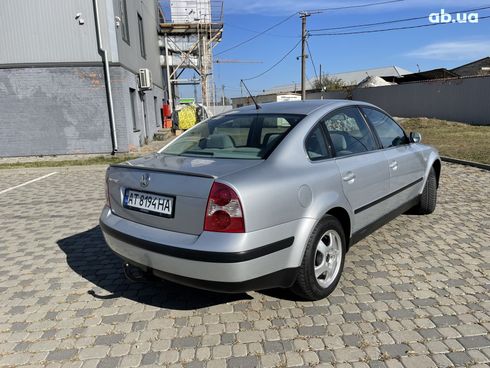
190 29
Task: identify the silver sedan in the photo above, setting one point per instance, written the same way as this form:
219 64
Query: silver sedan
268 196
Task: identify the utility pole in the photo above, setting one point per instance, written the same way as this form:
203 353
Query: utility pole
223 93
195 91
204 71
169 79
214 94
321 83
304 35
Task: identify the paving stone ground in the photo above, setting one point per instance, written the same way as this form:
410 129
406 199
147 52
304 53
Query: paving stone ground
414 294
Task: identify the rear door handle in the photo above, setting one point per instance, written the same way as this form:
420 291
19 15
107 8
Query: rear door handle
349 177
394 165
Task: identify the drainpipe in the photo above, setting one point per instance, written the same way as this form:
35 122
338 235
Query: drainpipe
169 83
107 77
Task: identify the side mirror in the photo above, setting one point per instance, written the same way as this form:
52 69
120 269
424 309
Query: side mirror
415 137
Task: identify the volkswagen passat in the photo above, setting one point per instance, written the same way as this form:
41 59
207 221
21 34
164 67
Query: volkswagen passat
269 196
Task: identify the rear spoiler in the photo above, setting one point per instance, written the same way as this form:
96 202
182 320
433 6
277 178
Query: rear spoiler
177 172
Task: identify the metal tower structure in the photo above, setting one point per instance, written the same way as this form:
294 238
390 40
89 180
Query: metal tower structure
189 31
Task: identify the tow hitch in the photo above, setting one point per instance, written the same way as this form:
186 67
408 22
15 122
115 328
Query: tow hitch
134 274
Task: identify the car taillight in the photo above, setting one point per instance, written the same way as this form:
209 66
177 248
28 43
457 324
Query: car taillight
224 211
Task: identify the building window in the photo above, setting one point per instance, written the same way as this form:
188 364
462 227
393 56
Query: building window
142 36
157 111
124 21
132 97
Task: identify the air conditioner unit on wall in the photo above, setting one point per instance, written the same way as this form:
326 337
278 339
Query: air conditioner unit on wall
145 79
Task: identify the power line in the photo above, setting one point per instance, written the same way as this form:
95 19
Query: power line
386 29
392 21
239 89
357 6
368 24
311 58
309 11
275 64
252 31
257 35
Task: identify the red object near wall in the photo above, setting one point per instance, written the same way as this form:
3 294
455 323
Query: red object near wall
167 112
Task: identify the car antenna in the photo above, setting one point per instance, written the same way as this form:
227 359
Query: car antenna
257 106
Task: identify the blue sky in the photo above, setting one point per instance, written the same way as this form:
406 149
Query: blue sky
439 46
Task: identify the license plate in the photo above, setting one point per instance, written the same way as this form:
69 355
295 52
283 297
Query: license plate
152 203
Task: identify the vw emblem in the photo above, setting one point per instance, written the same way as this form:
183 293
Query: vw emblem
145 180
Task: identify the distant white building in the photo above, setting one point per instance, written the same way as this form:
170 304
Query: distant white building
350 78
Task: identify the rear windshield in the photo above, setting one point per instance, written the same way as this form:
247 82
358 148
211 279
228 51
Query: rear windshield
251 136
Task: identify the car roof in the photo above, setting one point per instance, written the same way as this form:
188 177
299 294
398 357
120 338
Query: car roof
295 107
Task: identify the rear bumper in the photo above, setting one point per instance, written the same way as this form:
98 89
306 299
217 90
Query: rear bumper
213 261
283 279
195 254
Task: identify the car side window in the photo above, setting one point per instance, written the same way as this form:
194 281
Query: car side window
389 132
349 132
316 146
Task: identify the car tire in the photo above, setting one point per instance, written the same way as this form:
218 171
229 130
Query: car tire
428 199
323 260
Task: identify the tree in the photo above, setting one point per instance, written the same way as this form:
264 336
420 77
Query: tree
328 83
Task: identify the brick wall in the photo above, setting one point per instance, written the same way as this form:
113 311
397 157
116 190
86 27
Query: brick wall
63 110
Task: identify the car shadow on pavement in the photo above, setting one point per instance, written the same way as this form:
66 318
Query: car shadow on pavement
88 255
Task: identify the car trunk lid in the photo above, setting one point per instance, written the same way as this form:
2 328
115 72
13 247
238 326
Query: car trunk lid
184 181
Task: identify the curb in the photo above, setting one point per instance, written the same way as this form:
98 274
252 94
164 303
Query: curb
466 163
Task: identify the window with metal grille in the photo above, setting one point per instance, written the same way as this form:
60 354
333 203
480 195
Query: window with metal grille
132 97
123 7
142 36
157 111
